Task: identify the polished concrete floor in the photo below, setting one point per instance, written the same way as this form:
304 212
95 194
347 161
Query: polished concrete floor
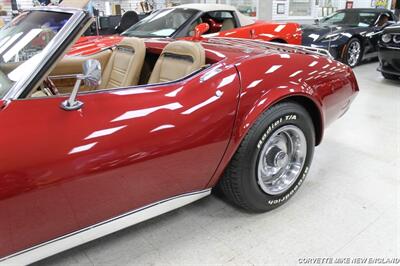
349 207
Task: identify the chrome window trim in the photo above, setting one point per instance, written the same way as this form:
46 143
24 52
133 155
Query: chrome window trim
101 229
77 16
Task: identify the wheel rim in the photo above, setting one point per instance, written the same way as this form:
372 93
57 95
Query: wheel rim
353 54
281 160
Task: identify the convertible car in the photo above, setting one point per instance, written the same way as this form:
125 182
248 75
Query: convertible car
350 35
180 22
93 144
389 53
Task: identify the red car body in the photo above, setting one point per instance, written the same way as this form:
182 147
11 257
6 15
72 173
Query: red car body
63 172
290 32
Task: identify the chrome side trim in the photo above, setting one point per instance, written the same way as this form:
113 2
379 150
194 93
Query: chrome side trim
90 233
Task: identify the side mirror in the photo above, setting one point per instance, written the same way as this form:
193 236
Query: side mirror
200 30
91 77
92 73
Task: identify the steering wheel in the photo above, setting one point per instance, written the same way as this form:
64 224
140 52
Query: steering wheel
49 84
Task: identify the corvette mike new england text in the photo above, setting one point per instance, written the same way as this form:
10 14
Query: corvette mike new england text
350 260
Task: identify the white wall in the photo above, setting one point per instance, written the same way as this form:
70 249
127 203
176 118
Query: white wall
6 5
316 11
267 8
24 3
125 4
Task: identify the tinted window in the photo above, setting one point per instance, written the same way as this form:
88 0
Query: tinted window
367 19
220 15
351 18
163 23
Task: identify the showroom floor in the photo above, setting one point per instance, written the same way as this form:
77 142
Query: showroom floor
348 207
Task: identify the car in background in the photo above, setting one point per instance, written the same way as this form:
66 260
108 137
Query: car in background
224 21
180 22
389 53
350 35
94 144
113 24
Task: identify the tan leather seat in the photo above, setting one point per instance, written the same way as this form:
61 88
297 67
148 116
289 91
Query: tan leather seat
125 64
228 24
177 60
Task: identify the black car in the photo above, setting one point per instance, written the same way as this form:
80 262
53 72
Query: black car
389 52
351 35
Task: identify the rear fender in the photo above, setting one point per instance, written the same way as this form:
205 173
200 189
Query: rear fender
268 80
247 117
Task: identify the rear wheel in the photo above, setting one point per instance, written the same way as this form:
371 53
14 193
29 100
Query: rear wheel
353 52
273 159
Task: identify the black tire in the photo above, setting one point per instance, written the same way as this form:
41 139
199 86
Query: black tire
239 181
347 52
279 41
390 76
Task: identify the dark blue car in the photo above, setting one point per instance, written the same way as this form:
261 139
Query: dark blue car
351 35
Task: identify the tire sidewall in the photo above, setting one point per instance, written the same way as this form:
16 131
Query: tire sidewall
292 115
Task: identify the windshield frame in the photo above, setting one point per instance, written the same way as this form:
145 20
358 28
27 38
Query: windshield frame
75 21
196 14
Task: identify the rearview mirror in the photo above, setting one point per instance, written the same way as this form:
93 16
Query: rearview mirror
200 30
91 77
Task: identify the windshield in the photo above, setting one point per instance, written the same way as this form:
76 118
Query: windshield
23 44
161 23
352 19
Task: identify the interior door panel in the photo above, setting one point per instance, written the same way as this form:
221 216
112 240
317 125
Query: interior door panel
73 65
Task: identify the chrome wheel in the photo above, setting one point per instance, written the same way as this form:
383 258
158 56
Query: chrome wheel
353 53
281 160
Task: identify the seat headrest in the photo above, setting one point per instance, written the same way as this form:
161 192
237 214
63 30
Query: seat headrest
128 19
185 50
131 43
124 67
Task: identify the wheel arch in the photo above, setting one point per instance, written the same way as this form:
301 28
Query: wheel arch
360 38
344 46
314 112
311 103
278 40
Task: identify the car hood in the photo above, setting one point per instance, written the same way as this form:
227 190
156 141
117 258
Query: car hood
316 33
395 28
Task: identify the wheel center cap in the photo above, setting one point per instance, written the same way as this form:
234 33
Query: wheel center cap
281 159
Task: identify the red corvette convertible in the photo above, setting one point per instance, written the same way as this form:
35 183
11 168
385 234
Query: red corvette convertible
93 144
180 22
